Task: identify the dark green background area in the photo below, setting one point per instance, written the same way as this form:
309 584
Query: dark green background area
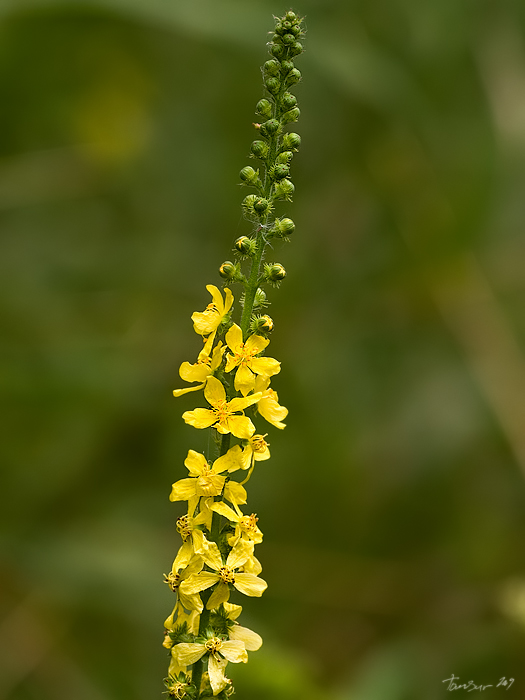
393 505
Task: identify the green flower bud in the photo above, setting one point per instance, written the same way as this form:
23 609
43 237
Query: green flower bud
259 149
271 67
279 29
285 157
274 272
264 108
273 85
286 25
283 227
277 50
296 49
250 176
261 324
270 127
261 206
248 204
296 30
288 39
284 189
291 141
245 245
294 76
281 170
288 100
260 299
291 17
287 66
291 116
228 271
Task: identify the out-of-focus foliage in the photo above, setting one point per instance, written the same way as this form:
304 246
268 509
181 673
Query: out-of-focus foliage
394 545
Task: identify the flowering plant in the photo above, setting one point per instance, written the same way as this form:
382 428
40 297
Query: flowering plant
216 558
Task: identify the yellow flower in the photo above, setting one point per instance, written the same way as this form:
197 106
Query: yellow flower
174 580
252 641
244 357
203 480
220 652
255 451
208 321
207 362
268 405
222 415
246 583
245 525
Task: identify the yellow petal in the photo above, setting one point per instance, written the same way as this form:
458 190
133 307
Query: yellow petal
216 297
264 365
231 362
206 322
223 509
194 373
239 404
233 610
175 668
200 417
180 392
195 462
191 602
240 426
218 680
234 650
183 557
253 565
216 358
187 653
252 641
234 338
219 595
250 585
244 380
207 550
214 391
235 493
209 484
239 554
272 412
231 461
228 300
199 582
183 489
256 344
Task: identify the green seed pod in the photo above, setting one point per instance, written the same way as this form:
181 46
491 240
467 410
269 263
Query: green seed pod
281 170
270 127
291 141
294 76
288 39
259 149
250 176
291 116
245 245
287 66
284 189
273 85
285 157
274 272
228 271
288 100
261 206
271 67
277 50
283 227
296 48
264 108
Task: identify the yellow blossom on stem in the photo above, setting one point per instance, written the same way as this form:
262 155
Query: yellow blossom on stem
219 650
209 320
245 525
207 362
268 405
175 578
203 480
225 573
245 358
223 414
255 451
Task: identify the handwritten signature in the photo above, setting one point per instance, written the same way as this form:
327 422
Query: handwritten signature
470 686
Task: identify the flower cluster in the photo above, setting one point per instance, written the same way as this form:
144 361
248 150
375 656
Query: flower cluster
216 557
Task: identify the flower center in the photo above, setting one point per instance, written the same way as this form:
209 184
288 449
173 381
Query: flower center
177 690
244 355
205 482
214 644
258 443
184 527
248 523
221 409
227 574
173 580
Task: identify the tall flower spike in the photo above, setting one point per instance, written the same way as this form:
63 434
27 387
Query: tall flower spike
216 558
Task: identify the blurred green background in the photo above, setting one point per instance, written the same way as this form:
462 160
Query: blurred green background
393 505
